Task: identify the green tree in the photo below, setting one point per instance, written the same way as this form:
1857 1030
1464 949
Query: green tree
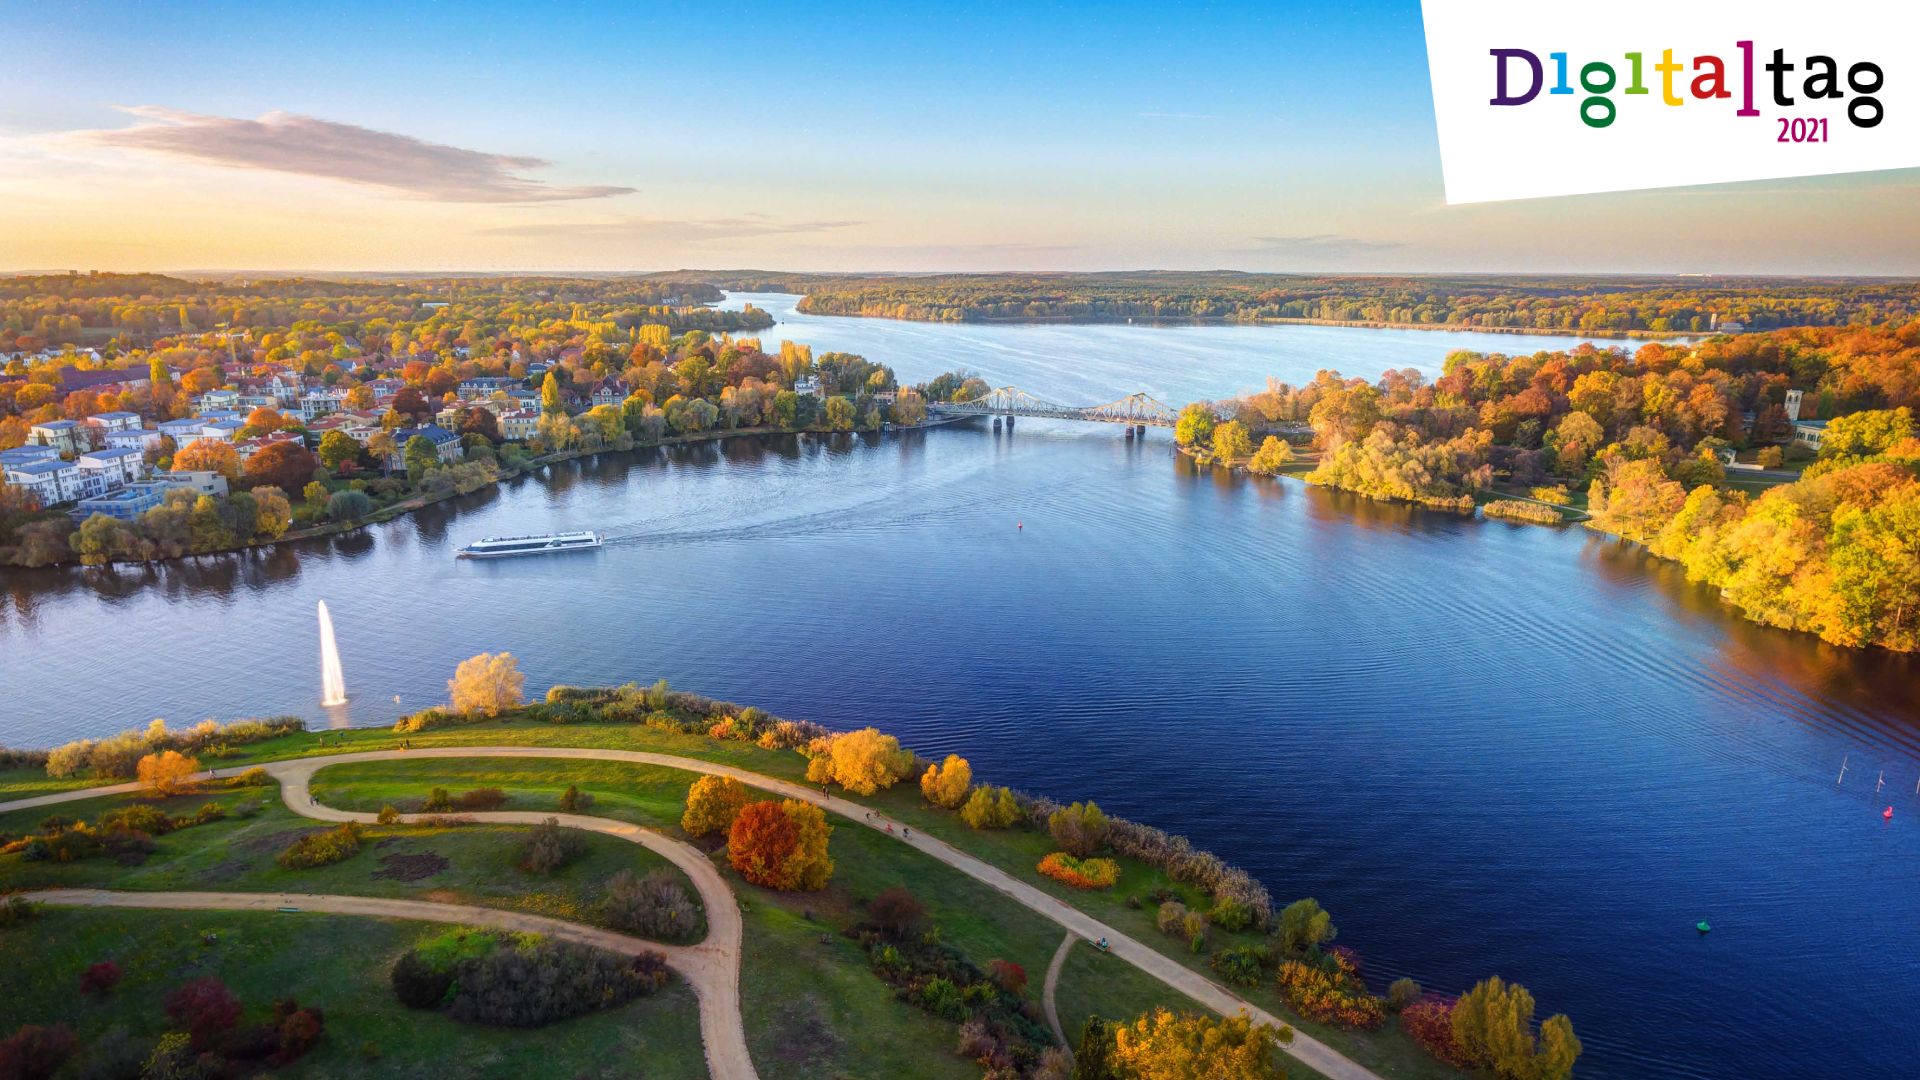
349 506
1304 926
420 457
1195 426
337 449
839 414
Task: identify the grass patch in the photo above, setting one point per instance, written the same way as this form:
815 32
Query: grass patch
336 963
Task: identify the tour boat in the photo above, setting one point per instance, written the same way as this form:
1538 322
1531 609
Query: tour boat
500 547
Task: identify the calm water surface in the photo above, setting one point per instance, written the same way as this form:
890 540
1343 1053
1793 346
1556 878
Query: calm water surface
1486 748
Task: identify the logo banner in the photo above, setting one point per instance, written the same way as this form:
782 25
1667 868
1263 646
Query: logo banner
1537 98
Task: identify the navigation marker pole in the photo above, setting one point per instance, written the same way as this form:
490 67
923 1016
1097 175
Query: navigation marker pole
1843 770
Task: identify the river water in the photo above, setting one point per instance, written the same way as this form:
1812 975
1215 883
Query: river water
1486 748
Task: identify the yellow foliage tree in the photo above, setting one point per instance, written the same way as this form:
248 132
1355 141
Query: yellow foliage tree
1273 455
712 804
166 772
809 868
1164 1045
208 455
488 684
863 761
946 784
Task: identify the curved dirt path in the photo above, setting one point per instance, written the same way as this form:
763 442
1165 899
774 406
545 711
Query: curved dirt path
1309 1051
1053 980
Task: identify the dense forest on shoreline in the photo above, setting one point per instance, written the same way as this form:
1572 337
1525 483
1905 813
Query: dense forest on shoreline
1645 435
1597 304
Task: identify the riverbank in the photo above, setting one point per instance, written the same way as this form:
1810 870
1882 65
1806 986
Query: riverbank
1228 320
422 500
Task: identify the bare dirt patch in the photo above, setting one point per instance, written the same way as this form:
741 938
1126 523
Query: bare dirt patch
411 865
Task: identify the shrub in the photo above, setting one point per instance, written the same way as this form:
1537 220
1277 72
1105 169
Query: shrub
1195 927
898 913
322 849
550 847
1242 965
712 804
1429 1022
1402 993
1329 998
1008 976
781 845
544 981
206 1009
247 807
1080 828
100 978
573 800
438 801
942 998
34 1052
297 1030
1231 914
990 808
655 906
1171 918
790 734
254 777
174 1058
480 799
387 815
141 817
418 983
1163 1043
1771 457
166 773
115 1055
1516 510
1553 493
863 761
945 785
1080 873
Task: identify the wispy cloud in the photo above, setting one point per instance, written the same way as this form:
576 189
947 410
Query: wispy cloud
309 146
641 230
1323 244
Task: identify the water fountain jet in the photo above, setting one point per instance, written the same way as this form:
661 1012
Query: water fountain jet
333 684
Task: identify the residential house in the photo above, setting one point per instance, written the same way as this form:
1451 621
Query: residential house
807 384
221 430
217 399
102 471
610 392
322 401
519 425
139 438
51 481
246 448
201 482
479 389
63 435
23 455
181 431
127 503
445 443
106 422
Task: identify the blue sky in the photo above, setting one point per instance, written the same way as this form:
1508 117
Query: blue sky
902 136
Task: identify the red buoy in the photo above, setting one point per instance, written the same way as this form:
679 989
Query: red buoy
1887 813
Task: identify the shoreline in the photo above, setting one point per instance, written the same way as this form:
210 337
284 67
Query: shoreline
1149 320
415 502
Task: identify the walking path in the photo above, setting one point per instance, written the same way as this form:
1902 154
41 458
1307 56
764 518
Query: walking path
294 776
1053 980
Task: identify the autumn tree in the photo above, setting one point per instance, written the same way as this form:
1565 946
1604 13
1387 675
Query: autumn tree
839 414
1863 434
208 455
550 402
863 761
1081 828
1493 1028
1274 454
284 465
781 845
339 451
1164 1045
712 805
164 774
488 684
1195 426
273 514
946 784
990 808
1232 441
1305 926
421 456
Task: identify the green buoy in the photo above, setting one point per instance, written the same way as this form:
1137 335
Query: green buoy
1702 926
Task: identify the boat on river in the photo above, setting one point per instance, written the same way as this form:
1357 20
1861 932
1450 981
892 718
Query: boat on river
501 547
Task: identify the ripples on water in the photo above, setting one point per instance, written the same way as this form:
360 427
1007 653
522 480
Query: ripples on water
1487 748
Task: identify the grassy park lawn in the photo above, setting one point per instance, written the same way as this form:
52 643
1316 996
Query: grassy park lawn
469 864
337 963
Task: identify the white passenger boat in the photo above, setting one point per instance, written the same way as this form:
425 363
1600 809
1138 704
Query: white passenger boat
500 547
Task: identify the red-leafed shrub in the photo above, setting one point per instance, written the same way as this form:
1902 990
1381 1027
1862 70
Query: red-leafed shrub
299 1030
1080 873
206 1009
35 1052
1429 1022
100 979
1008 975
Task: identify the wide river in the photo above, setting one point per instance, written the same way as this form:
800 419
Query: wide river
1485 748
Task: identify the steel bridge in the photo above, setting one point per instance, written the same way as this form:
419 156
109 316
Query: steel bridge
1135 409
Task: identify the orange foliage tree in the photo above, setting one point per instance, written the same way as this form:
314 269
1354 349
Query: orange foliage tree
781 845
208 455
712 805
165 773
